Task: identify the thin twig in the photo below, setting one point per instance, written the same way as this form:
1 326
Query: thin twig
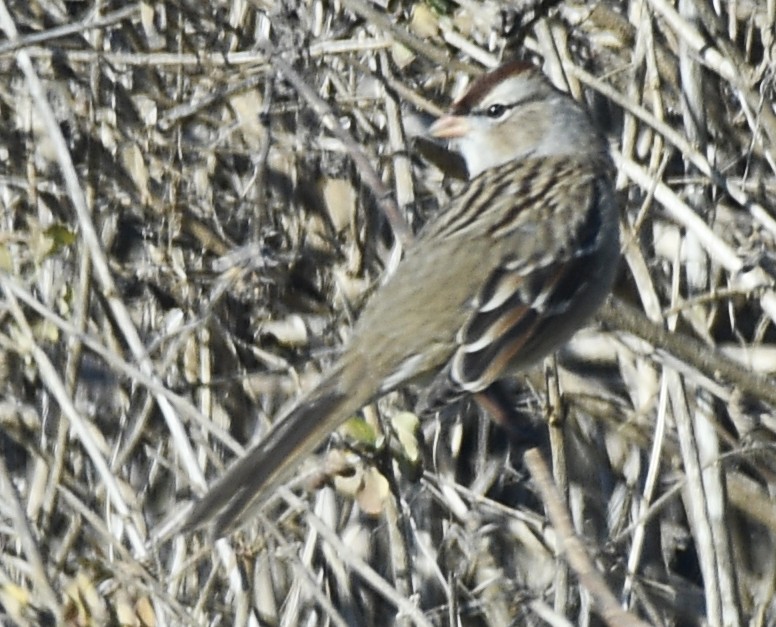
380 192
712 363
570 546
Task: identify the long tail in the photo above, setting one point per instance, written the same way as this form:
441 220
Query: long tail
250 480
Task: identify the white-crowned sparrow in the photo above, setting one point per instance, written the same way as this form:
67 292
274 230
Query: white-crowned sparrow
516 264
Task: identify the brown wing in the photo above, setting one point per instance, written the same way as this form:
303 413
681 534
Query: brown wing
532 303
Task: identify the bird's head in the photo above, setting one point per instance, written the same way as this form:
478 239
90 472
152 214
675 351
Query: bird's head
514 112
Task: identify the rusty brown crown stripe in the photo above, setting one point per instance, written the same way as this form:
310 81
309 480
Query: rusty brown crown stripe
480 87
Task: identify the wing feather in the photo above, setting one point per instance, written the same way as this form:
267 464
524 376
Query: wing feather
515 318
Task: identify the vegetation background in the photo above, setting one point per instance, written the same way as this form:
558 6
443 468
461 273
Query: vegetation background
197 197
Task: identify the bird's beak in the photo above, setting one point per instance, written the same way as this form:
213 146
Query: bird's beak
449 127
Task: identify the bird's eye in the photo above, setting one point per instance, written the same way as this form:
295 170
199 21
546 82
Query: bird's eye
495 110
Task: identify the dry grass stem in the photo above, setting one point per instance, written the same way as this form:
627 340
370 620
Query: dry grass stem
197 200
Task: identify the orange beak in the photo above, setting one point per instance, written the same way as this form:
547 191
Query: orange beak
449 127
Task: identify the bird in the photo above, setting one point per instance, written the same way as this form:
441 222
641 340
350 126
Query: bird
500 278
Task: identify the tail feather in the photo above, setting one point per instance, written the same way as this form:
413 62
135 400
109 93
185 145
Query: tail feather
250 480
